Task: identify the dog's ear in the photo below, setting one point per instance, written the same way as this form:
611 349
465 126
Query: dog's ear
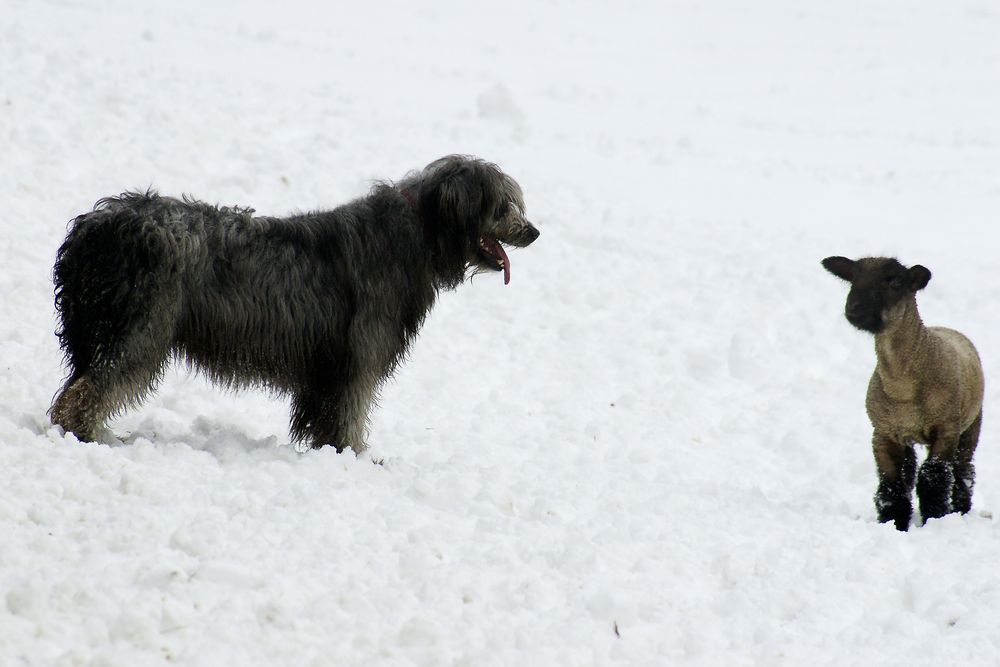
451 205
451 198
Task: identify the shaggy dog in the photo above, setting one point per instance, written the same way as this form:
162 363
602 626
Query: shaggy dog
319 306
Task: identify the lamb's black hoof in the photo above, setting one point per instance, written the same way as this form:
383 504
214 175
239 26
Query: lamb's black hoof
892 502
934 483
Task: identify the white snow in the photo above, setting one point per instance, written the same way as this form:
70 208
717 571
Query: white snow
649 449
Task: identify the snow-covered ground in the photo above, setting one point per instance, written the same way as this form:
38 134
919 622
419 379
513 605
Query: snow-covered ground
649 449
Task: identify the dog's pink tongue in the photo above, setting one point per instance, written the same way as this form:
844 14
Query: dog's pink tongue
506 264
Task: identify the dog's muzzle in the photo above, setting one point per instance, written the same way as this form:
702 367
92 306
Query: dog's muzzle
491 248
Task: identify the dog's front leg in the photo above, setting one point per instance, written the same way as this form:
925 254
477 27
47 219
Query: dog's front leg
359 396
315 417
333 416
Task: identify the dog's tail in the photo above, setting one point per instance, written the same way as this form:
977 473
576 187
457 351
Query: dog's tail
103 273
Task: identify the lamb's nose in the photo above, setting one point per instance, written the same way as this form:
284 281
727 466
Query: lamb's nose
854 309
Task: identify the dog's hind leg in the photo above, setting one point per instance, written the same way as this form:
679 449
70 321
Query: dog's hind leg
79 408
119 297
111 385
119 365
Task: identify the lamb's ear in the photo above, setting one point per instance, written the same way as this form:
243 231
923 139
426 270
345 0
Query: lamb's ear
840 267
919 277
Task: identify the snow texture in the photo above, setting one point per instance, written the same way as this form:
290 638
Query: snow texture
649 449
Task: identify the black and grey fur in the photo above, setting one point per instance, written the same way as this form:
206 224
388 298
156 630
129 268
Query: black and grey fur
927 388
319 306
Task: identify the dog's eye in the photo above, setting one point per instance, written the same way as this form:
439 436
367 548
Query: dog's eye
503 210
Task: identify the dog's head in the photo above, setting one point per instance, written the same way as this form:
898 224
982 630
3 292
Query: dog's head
471 210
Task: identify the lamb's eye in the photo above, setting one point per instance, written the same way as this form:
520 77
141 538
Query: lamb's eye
895 282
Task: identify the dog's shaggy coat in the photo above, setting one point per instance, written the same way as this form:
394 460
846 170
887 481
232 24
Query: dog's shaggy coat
320 306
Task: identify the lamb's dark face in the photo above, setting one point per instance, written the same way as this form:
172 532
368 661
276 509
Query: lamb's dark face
478 210
880 286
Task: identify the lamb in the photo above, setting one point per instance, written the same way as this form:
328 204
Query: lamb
927 388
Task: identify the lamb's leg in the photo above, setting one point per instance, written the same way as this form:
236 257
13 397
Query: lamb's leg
897 466
936 478
965 471
934 487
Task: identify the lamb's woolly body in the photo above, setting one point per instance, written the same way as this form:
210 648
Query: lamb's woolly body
926 379
927 388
